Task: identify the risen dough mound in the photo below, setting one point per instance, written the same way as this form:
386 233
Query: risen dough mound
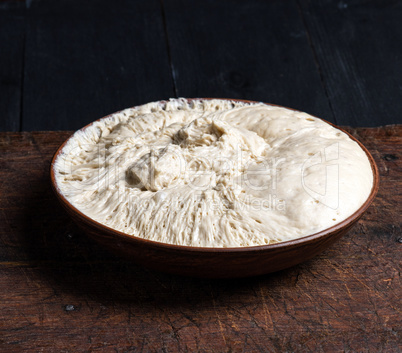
214 173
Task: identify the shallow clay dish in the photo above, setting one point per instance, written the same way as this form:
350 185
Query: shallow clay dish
215 262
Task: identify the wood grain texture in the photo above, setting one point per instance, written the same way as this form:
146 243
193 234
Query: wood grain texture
87 59
357 45
256 50
61 292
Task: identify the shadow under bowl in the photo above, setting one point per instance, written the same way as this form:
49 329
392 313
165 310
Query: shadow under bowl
214 262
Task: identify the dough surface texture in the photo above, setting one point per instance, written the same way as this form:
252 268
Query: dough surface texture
214 173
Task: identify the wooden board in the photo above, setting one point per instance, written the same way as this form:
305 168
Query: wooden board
12 42
66 63
61 292
87 59
358 48
257 50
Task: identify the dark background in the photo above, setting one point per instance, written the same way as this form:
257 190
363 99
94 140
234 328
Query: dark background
66 63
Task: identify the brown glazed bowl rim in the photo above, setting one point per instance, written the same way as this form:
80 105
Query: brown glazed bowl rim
184 248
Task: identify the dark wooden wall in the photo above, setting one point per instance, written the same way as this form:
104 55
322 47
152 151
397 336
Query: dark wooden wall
66 63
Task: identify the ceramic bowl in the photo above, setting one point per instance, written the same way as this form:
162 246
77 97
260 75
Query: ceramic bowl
215 262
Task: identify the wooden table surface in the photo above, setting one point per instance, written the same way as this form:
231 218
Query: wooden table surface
61 292
66 63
